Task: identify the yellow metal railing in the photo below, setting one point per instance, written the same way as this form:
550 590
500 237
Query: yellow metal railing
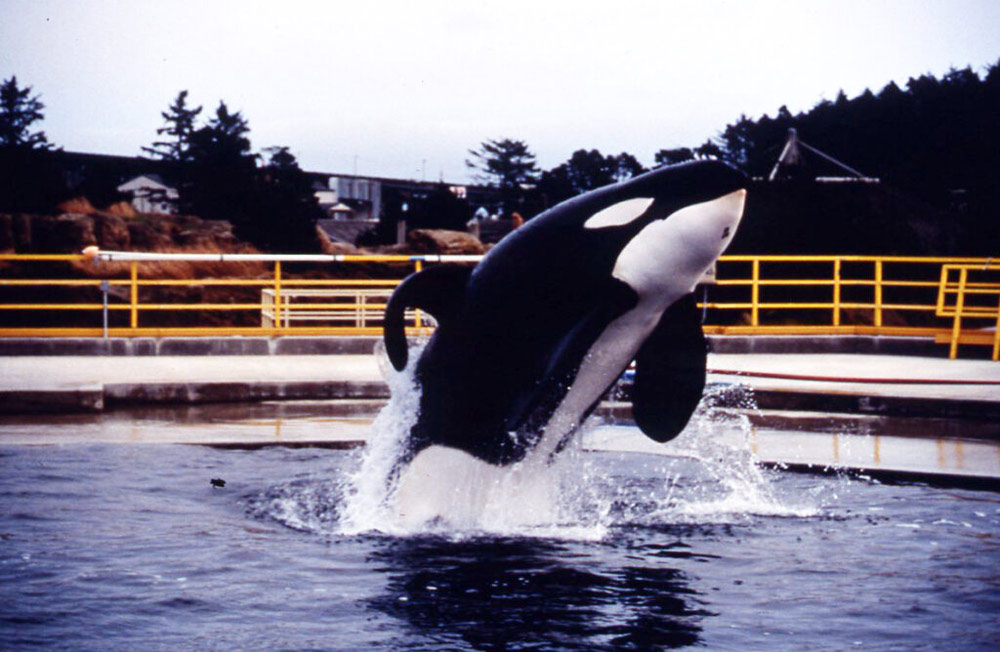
817 295
970 291
275 306
882 295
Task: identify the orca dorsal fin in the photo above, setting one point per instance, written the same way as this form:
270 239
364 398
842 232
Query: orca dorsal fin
438 290
670 372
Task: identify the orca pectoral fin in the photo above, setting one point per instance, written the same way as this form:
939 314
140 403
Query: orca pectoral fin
670 372
437 290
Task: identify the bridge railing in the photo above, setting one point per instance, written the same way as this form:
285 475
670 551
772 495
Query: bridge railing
124 294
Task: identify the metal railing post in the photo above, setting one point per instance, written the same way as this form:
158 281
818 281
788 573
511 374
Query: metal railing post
956 327
266 306
277 294
836 292
878 293
105 286
755 294
134 294
418 320
996 336
942 290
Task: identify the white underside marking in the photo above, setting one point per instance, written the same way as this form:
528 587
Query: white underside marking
662 263
605 361
450 484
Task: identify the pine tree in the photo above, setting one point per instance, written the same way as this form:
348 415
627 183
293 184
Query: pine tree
507 165
219 170
179 125
504 163
18 111
30 180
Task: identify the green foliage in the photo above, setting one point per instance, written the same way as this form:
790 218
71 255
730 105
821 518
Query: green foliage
284 211
507 165
223 142
586 170
504 163
938 140
179 124
708 149
30 180
673 156
219 173
221 178
441 209
437 208
627 166
281 159
18 112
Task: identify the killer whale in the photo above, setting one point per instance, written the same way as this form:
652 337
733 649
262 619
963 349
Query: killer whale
530 339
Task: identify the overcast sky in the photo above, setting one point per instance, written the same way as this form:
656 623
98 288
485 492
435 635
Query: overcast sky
404 89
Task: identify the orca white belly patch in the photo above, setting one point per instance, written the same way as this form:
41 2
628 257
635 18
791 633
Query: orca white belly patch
443 483
604 362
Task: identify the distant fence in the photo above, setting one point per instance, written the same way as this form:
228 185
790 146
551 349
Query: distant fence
119 294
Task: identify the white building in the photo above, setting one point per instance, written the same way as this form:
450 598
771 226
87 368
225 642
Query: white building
150 194
363 194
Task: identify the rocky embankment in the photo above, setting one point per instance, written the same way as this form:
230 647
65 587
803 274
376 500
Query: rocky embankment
120 228
117 228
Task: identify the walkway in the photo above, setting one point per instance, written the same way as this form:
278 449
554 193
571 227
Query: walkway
62 381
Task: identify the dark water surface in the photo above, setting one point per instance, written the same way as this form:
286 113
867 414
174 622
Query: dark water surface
127 547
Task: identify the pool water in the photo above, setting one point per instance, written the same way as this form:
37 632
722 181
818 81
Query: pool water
124 547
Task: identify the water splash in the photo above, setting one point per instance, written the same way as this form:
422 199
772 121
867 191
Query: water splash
721 440
368 491
448 492
708 475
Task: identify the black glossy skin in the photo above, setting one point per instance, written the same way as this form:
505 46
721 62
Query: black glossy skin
510 340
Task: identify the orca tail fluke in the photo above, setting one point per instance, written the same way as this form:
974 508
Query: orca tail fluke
437 290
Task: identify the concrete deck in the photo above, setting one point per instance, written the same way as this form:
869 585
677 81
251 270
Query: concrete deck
890 385
884 384
77 383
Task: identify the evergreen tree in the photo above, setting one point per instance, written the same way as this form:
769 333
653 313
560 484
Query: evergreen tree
219 174
933 141
219 178
30 181
18 111
281 159
284 211
673 156
585 170
627 166
507 165
223 142
179 124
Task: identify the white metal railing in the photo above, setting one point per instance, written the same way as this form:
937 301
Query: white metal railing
358 307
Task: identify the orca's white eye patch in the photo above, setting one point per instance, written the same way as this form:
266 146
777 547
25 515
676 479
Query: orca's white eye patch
618 214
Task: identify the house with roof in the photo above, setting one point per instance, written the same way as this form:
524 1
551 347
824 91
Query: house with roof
149 193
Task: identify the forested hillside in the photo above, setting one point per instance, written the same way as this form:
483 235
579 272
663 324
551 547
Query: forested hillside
935 144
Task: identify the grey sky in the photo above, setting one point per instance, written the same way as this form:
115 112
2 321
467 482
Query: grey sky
390 85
